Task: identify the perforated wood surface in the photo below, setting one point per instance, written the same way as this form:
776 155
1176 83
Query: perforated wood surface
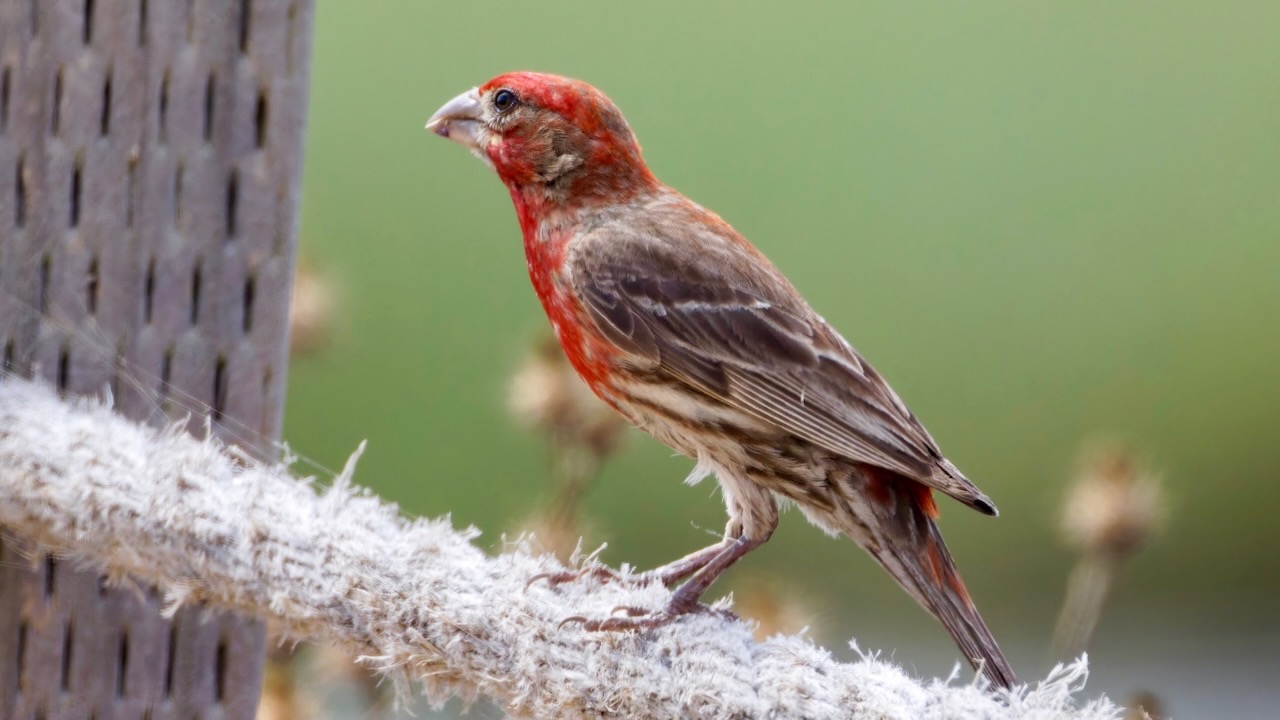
150 153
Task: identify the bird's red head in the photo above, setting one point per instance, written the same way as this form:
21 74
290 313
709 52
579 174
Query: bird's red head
547 135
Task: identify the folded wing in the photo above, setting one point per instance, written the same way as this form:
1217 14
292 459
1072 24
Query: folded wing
717 316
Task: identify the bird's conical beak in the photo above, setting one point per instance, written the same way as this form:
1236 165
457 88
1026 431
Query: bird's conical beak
459 120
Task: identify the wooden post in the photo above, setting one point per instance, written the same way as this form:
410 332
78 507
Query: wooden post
150 159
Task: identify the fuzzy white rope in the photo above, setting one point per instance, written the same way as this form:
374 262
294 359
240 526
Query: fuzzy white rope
415 597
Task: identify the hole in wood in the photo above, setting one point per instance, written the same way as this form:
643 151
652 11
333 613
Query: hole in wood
195 294
68 644
42 289
104 124
122 665
220 672
64 367
250 290
244 25
177 194
131 188
92 286
50 568
149 291
209 97
162 105
8 356
21 654
166 372
219 389
88 22
22 650
77 174
233 203
142 22
260 120
281 227
170 660
55 114
291 22
267 414
20 194
102 585
117 369
6 83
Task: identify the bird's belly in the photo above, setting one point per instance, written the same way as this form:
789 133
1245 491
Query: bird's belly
701 426
752 450
686 420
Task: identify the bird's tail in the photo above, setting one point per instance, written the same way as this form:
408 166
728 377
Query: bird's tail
908 544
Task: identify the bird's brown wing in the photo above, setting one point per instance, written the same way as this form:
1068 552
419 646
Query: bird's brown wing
719 317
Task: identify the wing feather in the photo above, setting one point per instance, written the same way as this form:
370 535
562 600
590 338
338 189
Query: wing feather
717 316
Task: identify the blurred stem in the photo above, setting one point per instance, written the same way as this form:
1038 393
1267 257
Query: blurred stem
279 700
1087 590
575 470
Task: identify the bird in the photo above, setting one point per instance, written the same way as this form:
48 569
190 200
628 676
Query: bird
680 324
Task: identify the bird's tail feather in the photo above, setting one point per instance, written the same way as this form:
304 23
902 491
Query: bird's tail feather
912 550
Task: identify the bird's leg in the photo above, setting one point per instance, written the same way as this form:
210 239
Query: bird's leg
746 532
753 516
674 572
685 599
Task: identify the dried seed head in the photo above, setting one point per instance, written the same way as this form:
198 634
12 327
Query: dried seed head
280 699
311 311
1144 705
1116 503
772 607
547 394
341 674
557 533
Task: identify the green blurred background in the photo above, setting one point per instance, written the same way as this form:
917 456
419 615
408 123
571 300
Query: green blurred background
1043 222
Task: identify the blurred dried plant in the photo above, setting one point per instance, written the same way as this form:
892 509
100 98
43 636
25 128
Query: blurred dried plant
1144 706
333 668
280 699
771 606
1115 505
546 395
300 682
312 305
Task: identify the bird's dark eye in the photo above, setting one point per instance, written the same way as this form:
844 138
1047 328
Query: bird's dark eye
504 100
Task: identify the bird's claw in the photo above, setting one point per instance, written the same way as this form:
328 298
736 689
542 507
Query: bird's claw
552 578
636 618
619 623
600 573
574 619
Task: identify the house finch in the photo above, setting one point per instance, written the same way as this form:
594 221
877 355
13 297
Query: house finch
680 324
